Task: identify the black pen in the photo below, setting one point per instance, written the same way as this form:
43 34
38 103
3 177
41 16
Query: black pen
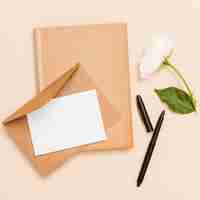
150 149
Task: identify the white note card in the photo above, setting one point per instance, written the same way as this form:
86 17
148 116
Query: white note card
66 122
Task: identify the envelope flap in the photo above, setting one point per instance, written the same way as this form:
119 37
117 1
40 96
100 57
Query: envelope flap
44 96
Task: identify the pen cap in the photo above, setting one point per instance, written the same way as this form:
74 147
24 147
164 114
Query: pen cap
144 115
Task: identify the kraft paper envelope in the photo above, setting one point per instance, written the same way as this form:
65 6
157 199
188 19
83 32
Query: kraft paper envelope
74 80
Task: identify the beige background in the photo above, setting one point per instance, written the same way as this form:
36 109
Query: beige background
174 170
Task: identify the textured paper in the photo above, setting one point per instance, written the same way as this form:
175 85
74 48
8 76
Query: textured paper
102 51
66 122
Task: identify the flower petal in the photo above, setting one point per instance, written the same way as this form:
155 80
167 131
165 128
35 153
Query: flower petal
159 48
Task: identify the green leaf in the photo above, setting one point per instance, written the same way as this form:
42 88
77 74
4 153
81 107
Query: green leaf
177 100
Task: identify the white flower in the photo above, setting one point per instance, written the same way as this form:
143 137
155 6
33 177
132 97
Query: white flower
159 48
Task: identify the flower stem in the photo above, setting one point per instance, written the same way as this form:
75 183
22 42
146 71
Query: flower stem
178 73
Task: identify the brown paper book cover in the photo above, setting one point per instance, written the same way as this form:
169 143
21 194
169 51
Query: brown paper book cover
102 51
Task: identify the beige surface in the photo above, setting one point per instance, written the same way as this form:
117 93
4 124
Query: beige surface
174 170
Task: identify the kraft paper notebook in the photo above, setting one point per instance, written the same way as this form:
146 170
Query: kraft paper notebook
102 51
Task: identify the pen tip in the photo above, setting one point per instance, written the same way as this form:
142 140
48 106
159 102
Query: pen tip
138 183
138 97
163 112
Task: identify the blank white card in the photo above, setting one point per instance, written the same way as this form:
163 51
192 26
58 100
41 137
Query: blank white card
66 122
